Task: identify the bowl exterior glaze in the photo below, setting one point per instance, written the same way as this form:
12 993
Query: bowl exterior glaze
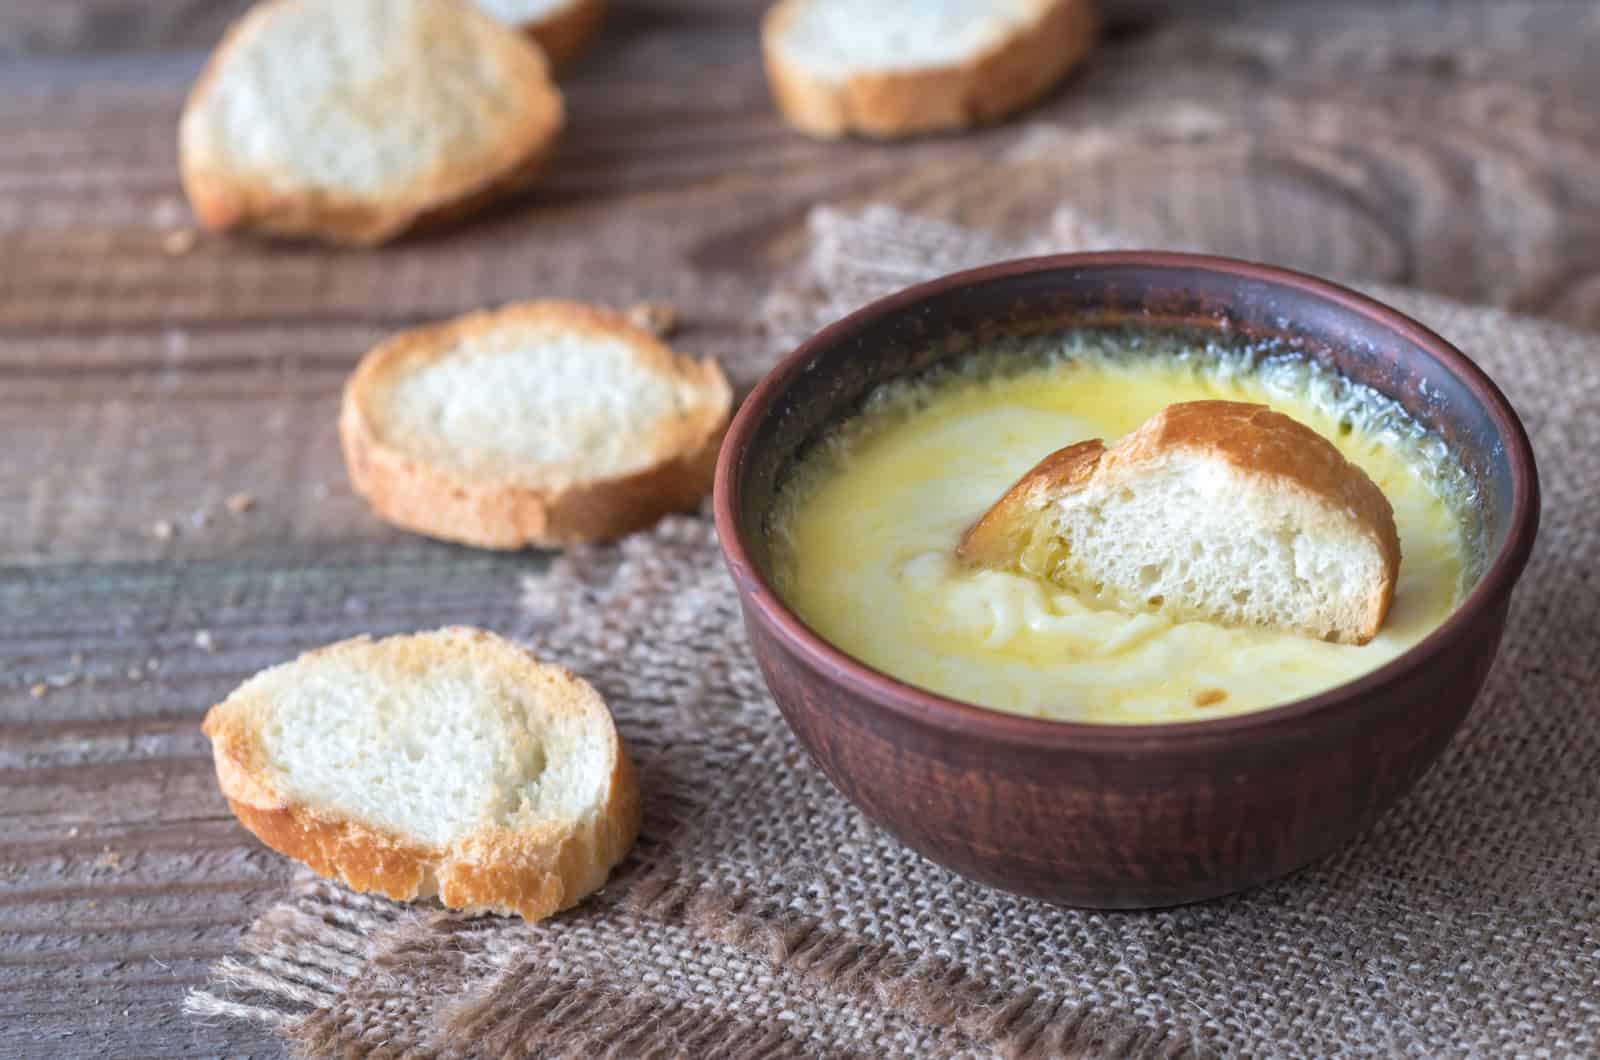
1125 816
1116 829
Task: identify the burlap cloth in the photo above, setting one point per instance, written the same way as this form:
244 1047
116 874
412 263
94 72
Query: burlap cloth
761 915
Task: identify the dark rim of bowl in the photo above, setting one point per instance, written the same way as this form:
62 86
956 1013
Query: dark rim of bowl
960 717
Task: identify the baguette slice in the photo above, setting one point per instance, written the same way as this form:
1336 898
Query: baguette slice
902 67
354 121
563 28
1215 510
545 423
449 763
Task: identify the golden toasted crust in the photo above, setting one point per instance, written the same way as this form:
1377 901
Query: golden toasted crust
1250 437
998 535
501 514
531 873
224 199
567 32
887 104
1253 438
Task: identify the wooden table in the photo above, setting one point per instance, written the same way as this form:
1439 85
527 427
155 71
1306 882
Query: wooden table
1453 146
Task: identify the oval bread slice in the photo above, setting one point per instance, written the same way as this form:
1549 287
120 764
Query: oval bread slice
545 423
903 67
563 28
449 763
354 121
1212 509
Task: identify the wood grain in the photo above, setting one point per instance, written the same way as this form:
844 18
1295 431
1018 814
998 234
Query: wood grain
122 874
1453 146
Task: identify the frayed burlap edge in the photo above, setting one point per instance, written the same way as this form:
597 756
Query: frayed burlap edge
1019 1026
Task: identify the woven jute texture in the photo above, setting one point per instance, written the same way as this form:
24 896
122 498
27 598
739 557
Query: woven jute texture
761 915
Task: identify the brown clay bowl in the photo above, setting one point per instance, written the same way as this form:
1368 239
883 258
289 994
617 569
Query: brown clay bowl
1145 815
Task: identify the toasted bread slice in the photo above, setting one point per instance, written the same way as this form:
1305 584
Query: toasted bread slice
901 67
545 423
449 763
1212 509
563 28
353 121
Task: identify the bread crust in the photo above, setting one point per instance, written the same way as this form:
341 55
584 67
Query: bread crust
984 88
997 536
501 514
567 33
532 873
1251 438
224 199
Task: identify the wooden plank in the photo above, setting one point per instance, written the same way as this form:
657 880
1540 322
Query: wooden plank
86 26
1412 148
122 874
1376 134
124 1018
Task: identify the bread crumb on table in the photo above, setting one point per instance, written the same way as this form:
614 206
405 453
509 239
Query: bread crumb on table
162 530
167 212
178 242
38 690
240 503
658 318
203 641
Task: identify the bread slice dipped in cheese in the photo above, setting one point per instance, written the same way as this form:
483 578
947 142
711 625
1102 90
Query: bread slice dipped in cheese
890 68
563 28
544 423
354 121
1212 510
450 763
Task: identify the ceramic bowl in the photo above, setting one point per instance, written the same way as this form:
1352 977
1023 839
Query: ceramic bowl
1125 816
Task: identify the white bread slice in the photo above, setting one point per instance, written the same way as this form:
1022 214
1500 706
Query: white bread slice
354 121
563 28
1217 510
545 423
449 763
889 68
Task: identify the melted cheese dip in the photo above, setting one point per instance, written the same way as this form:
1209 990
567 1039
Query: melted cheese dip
866 530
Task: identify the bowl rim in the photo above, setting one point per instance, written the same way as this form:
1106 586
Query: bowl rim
969 719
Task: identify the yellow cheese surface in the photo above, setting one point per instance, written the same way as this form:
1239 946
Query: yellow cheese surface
865 549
